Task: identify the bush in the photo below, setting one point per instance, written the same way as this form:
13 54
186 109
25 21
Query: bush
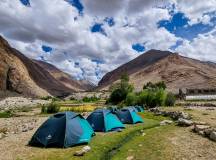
117 96
170 99
90 99
131 99
152 98
6 114
50 108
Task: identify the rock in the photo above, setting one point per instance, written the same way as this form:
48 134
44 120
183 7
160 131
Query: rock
130 158
86 149
213 136
184 122
198 128
143 134
79 153
166 122
184 115
82 151
199 123
208 132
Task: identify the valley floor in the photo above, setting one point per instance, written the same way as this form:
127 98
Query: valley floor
138 142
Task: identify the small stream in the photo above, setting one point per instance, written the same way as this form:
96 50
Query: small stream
130 136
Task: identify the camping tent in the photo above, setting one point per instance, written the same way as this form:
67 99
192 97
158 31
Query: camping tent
113 109
133 108
63 129
139 108
103 120
129 116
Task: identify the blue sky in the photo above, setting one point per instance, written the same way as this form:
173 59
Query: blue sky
88 38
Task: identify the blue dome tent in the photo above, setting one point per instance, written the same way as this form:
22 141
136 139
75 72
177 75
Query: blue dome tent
103 120
63 129
128 116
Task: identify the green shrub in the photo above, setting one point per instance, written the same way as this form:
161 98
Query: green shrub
90 99
117 96
152 98
50 108
6 114
170 99
54 99
131 99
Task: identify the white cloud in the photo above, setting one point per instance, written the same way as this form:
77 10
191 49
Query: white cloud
52 22
203 48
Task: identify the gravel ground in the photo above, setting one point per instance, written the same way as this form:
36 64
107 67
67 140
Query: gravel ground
19 102
14 145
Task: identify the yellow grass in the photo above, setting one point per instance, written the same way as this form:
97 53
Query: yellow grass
81 108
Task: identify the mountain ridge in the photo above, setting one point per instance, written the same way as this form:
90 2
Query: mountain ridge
175 70
23 75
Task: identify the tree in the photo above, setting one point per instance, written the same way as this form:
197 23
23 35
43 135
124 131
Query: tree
120 90
170 99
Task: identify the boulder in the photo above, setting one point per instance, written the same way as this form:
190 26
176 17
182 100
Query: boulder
213 136
166 122
198 128
184 122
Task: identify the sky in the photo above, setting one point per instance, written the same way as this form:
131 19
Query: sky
88 38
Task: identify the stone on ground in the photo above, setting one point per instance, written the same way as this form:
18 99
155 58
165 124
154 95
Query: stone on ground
82 151
166 122
213 136
198 128
184 122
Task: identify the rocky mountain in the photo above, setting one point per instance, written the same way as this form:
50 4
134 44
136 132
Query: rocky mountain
28 77
175 70
66 79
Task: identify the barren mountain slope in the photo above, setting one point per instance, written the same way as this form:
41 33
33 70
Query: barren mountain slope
64 78
20 74
177 72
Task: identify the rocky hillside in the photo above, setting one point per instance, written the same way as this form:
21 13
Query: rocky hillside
175 70
64 78
23 75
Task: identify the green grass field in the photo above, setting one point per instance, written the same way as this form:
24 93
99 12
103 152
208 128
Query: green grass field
116 145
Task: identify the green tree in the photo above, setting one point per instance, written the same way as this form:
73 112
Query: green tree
131 99
170 99
120 90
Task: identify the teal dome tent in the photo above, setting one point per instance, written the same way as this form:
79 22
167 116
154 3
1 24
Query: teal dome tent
64 129
128 116
103 120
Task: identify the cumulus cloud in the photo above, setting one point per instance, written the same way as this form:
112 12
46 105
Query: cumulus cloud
88 55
